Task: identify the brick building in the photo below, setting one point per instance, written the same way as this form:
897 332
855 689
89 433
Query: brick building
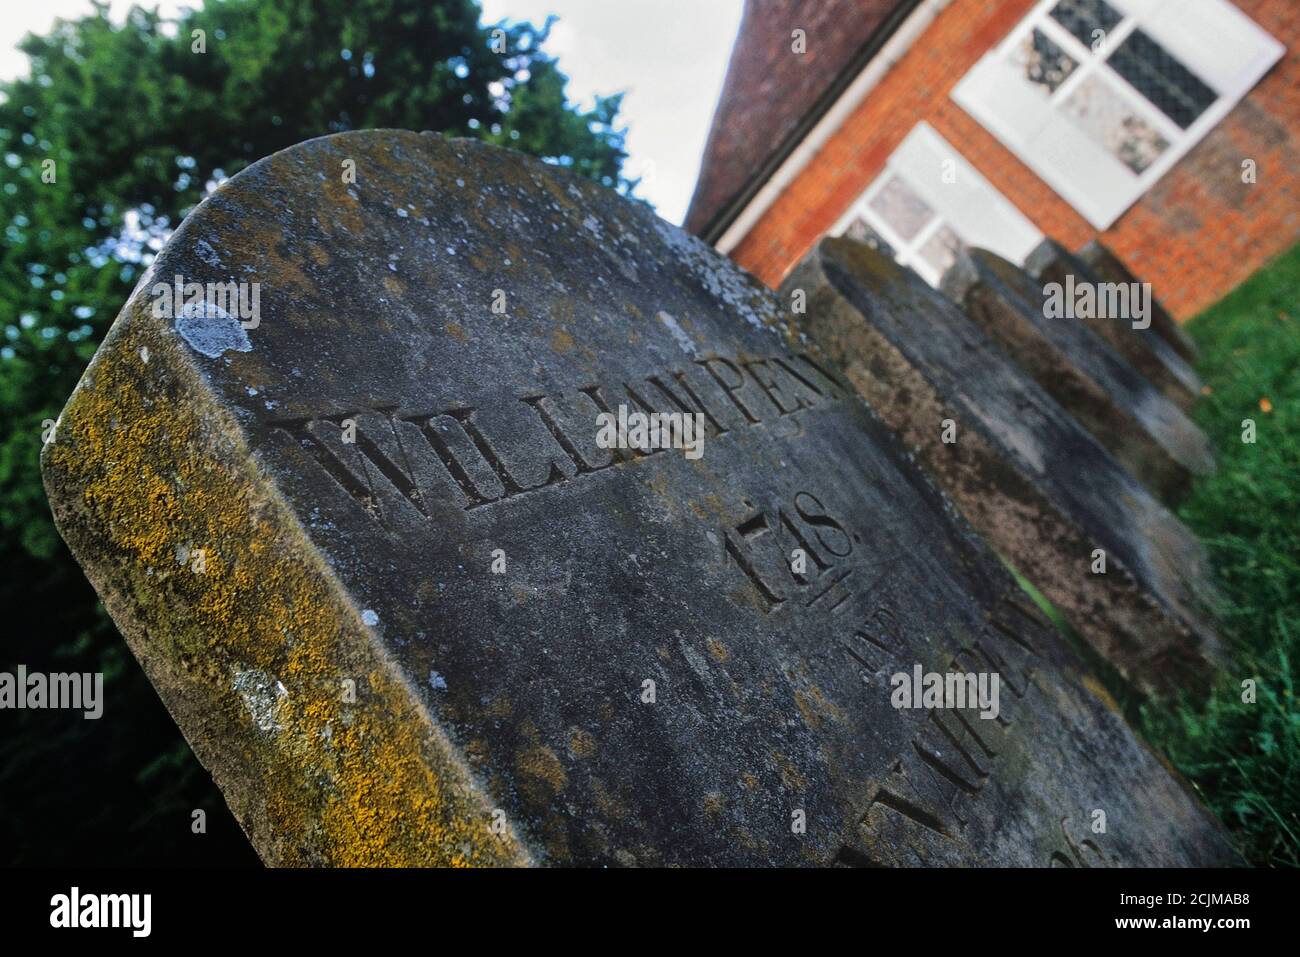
1169 129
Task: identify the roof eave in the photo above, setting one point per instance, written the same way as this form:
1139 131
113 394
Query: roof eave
718 224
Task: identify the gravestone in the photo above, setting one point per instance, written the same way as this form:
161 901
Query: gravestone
1042 491
1109 268
1147 434
1142 348
437 621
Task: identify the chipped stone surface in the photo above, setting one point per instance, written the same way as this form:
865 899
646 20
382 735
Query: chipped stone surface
211 331
1041 490
1146 432
1109 268
1144 349
646 681
262 695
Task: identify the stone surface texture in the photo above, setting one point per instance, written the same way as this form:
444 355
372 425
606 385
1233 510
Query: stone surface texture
1110 268
1144 349
1040 489
1147 433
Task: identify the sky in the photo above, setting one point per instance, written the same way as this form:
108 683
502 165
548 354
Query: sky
668 56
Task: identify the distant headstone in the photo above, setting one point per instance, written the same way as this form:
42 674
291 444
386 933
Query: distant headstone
1147 433
1089 297
1125 572
445 617
1109 268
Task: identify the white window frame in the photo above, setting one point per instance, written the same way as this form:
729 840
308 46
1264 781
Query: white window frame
908 252
1135 14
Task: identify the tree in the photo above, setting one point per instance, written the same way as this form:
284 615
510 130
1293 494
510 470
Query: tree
114 136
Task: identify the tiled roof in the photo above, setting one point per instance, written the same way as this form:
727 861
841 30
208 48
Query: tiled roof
772 95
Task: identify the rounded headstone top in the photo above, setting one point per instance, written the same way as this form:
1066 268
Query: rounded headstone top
392 264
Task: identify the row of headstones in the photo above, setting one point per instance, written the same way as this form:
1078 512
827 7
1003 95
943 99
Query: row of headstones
1063 433
789 648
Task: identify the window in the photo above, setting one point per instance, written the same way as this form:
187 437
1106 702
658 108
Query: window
1101 97
928 202
1083 18
1175 90
1041 61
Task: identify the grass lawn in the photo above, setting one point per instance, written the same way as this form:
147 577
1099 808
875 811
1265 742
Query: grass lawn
1245 757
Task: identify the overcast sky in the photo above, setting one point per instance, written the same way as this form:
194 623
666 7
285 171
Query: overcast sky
669 56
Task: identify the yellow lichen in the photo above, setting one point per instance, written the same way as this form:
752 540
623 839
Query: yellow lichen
541 775
159 464
582 744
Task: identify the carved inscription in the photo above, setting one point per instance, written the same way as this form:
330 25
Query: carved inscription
765 541
479 456
951 755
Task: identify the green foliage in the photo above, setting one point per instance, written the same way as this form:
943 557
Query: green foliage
139 126
1245 758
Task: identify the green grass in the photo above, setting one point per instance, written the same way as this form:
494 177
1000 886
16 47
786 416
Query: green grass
1244 758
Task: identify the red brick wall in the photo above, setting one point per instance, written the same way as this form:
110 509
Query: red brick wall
1194 235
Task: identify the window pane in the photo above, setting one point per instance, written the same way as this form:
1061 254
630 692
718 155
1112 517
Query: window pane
1153 71
901 208
1110 120
861 230
940 250
1084 17
1041 61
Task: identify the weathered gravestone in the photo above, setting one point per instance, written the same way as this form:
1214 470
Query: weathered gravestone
1147 433
1109 268
1089 297
1125 572
437 623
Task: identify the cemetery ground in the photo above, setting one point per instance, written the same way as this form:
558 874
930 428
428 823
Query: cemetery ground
1244 758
